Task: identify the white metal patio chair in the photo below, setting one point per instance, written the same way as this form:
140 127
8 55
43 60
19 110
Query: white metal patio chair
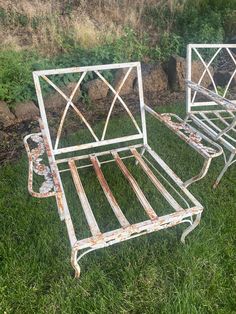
215 113
181 206
208 111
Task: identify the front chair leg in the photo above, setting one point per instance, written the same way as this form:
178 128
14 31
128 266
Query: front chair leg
201 174
226 166
191 228
74 263
75 259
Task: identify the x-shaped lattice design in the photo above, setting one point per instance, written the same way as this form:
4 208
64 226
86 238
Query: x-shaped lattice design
71 104
206 69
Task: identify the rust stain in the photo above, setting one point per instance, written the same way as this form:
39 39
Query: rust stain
188 135
40 169
156 182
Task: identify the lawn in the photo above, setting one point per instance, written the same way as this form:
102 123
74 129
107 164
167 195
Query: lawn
154 273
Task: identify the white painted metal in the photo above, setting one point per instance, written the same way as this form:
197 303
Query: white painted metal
87 68
84 200
113 102
98 144
188 77
205 114
196 109
155 181
142 105
66 109
107 152
127 230
120 99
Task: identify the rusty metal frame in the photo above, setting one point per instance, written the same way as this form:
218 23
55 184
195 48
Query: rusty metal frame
141 153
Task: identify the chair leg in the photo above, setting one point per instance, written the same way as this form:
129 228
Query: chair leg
228 163
75 258
141 153
74 263
191 228
201 174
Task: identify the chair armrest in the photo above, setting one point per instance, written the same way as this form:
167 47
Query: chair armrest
188 134
226 103
35 166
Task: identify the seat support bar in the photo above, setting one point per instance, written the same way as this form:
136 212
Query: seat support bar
83 199
108 193
155 181
146 205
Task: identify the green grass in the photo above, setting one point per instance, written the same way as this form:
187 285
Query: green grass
150 274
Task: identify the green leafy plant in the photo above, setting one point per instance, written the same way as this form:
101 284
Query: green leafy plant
169 44
207 29
15 76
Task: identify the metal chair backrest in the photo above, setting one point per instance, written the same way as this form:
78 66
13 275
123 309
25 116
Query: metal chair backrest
56 145
212 58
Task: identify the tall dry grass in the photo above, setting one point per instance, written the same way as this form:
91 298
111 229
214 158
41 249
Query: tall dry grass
48 26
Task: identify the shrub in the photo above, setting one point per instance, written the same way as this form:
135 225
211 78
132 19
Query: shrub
205 29
15 76
170 44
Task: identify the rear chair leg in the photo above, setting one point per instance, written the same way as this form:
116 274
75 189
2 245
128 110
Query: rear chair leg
141 153
228 163
190 228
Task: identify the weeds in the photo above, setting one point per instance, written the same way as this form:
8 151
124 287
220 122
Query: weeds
58 27
60 34
15 76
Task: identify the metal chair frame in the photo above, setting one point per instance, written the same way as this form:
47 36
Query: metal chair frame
141 152
202 116
205 119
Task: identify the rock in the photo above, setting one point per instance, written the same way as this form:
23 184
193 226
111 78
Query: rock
26 111
69 89
128 87
222 78
3 136
7 118
96 89
154 78
54 101
177 72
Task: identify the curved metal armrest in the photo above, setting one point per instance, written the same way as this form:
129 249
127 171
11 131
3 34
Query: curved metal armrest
224 102
227 104
188 134
36 166
193 138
